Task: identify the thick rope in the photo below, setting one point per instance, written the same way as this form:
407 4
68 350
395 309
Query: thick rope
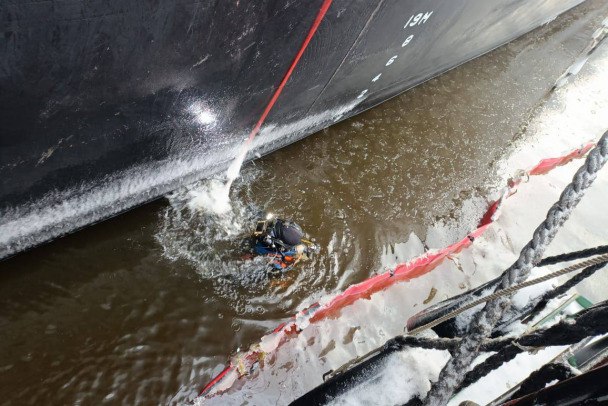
599 261
399 342
569 284
576 329
537 305
484 321
442 308
540 378
589 322
572 256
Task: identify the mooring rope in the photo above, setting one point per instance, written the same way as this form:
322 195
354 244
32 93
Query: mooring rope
595 263
453 303
575 330
573 256
599 261
537 305
484 321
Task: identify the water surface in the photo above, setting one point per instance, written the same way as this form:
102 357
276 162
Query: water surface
149 304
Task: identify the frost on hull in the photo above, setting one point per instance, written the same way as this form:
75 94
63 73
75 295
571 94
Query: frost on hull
61 212
104 106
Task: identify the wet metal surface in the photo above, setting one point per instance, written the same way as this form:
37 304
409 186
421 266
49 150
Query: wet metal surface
133 309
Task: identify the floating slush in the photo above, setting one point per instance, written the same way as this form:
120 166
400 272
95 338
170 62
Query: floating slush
241 364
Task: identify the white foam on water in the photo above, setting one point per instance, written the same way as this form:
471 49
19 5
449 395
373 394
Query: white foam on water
200 217
214 198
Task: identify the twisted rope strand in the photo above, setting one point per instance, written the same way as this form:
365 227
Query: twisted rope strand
483 322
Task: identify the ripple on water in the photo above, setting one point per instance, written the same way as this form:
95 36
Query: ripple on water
214 243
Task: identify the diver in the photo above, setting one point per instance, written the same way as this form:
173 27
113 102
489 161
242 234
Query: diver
283 241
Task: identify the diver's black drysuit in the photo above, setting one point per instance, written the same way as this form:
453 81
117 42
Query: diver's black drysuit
282 235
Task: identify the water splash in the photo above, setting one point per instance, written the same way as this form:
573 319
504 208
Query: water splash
235 168
213 197
202 226
214 245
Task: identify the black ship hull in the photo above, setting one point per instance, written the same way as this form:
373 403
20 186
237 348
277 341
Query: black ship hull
106 104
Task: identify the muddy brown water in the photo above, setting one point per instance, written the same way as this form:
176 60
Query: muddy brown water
144 308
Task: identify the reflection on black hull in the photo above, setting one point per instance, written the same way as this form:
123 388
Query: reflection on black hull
105 105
